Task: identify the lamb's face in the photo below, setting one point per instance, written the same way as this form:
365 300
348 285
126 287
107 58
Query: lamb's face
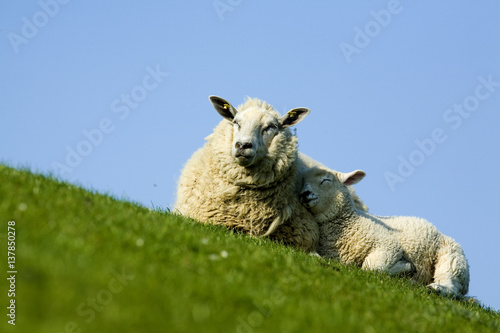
321 191
253 134
255 128
325 192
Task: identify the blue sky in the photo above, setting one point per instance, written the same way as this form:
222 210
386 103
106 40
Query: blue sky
113 96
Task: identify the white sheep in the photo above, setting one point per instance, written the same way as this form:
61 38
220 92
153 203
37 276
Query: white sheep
357 237
244 177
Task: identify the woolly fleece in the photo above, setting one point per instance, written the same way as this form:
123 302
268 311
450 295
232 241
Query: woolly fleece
213 188
349 235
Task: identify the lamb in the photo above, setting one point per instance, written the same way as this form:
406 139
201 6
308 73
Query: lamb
356 237
244 177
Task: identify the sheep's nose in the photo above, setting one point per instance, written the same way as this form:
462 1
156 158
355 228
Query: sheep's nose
244 145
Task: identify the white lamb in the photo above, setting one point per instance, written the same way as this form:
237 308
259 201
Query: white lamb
244 177
357 237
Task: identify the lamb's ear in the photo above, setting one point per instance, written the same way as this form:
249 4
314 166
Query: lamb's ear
351 178
294 116
224 108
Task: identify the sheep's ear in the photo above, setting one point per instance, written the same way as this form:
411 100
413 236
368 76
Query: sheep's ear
351 178
224 108
294 116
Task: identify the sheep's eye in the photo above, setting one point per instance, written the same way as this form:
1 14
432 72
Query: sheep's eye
326 180
269 128
235 123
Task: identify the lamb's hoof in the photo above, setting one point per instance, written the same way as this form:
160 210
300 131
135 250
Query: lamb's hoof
403 268
448 291
471 300
434 288
409 270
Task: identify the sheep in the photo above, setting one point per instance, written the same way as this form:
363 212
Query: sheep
356 237
244 177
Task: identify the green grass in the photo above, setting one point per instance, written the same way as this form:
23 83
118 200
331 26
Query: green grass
182 276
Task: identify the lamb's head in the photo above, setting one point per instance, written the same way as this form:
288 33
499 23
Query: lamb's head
325 192
256 125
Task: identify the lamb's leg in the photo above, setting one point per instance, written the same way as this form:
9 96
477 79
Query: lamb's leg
388 260
451 275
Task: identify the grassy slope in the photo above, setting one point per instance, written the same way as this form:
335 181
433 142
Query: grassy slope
183 276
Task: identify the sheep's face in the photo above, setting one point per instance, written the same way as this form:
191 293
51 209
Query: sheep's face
253 133
254 129
325 192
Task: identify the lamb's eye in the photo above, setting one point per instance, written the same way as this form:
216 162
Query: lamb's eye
325 181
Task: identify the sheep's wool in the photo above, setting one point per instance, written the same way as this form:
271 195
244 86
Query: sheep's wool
356 237
213 188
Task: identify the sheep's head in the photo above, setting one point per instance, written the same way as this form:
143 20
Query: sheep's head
325 192
255 127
